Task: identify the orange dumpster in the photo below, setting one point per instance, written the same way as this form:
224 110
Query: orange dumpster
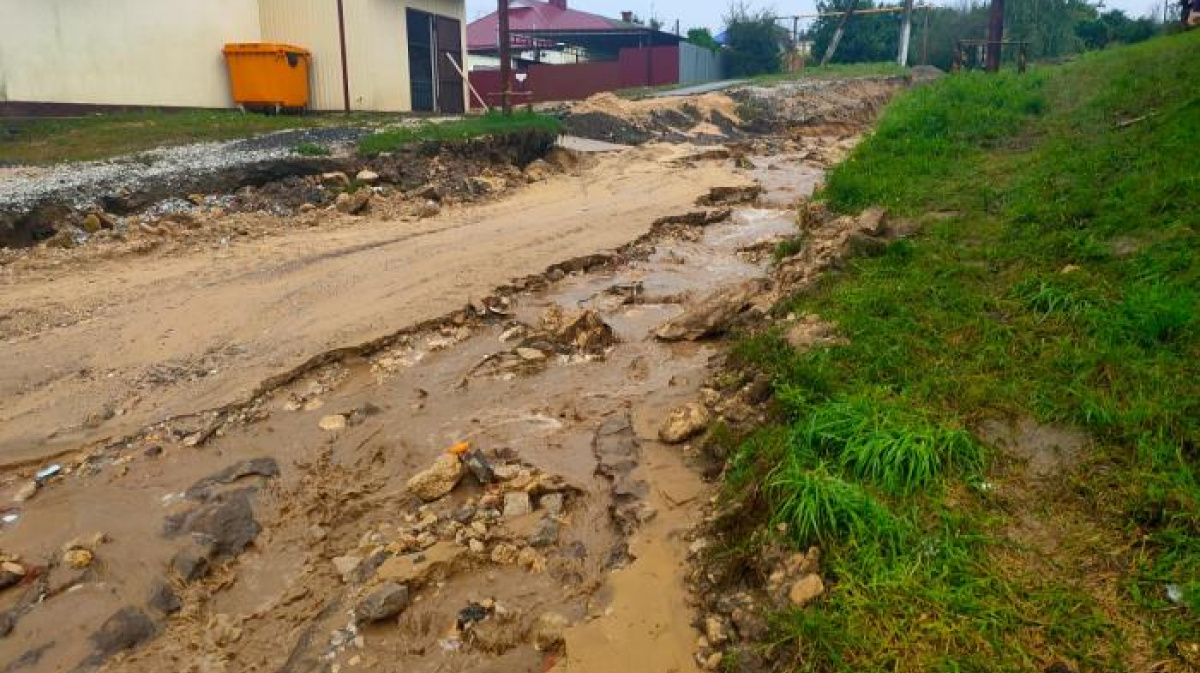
271 76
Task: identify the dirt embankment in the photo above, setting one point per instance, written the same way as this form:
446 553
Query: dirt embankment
813 107
464 441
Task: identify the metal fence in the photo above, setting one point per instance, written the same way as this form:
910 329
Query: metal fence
697 64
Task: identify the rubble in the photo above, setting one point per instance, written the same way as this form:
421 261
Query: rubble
383 603
684 423
714 314
548 630
438 480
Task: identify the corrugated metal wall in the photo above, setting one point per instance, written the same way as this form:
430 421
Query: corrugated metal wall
312 24
697 64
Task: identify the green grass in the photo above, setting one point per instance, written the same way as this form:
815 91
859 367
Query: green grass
46 141
1060 283
490 124
311 150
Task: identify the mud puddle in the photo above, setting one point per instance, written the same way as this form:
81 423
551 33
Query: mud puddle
296 541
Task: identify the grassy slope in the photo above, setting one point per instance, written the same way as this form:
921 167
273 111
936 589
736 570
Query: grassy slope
490 124
1059 283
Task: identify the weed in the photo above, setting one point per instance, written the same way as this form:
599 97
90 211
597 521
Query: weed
787 247
490 124
820 507
311 150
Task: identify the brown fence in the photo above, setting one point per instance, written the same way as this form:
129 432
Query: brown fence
655 66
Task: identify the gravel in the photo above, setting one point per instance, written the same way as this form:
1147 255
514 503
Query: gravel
80 185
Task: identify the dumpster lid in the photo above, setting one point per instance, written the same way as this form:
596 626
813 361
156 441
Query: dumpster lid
264 48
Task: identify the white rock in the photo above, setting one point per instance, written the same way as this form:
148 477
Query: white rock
438 480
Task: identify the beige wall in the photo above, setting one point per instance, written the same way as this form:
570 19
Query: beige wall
168 52
121 52
376 51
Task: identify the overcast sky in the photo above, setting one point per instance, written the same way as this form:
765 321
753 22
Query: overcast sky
691 13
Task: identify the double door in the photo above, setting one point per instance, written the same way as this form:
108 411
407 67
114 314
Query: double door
434 49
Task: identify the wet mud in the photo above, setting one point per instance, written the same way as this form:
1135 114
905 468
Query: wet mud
488 491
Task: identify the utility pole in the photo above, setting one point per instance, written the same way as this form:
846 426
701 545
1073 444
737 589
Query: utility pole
505 60
925 38
837 34
905 34
995 36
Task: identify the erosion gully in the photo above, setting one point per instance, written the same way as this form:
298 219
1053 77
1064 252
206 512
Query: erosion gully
266 547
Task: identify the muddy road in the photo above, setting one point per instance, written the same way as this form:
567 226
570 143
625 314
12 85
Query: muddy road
114 346
303 453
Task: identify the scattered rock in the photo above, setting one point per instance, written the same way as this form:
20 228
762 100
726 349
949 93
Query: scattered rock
26 492
78 559
438 480
530 354
385 602
480 467
125 630
353 204
873 221
505 554
552 503
684 423
731 196
806 590
346 565
713 315
584 331
428 209
499 633
165 600
228 520
547 631
11 574
715 630
195 560
262 467
532 560
546 534
538 171
367 176
696 218
516 504
482 184
472 614
91 224
335 179
332 423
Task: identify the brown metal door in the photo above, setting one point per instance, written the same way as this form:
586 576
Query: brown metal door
449 52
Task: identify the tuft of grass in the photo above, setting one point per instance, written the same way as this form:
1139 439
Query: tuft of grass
491 124
820 507
311 150
787 247
884 445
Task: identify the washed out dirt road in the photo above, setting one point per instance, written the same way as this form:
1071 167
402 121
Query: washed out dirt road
517 487
127 344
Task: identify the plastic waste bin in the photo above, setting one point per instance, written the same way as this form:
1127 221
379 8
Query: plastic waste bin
270 76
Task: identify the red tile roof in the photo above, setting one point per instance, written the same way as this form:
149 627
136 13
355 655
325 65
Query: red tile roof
534 15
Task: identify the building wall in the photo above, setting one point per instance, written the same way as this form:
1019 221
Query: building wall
121 52
311 24
376 46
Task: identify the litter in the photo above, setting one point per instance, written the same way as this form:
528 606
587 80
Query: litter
47 472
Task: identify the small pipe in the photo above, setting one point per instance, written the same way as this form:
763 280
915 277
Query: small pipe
345 68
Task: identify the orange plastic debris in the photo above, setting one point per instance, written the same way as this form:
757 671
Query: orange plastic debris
459 448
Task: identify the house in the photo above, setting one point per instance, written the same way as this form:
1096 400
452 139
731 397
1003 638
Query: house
562 53
387 55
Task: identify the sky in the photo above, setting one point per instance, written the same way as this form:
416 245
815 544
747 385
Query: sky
692 13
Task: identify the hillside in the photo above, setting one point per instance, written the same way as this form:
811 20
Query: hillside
1000 463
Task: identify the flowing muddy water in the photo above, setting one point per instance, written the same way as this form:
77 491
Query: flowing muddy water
318 485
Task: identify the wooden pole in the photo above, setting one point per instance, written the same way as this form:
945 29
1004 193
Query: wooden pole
905 34
837 34
505 59
995 36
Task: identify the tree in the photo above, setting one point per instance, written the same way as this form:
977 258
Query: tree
755 41
703 37
869 38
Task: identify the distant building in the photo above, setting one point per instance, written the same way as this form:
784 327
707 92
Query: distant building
392 55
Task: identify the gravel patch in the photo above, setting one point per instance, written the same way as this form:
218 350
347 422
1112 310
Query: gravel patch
81 185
